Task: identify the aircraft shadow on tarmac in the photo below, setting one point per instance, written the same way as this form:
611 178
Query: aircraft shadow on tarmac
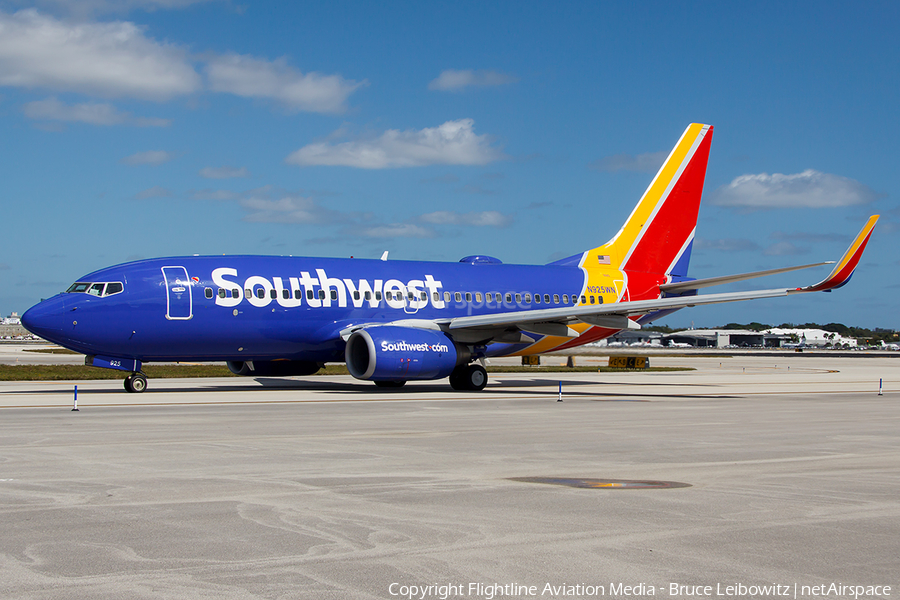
499 388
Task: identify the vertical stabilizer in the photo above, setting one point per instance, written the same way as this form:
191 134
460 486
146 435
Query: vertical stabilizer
658 235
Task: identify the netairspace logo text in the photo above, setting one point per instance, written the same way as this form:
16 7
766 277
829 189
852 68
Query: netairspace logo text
492 591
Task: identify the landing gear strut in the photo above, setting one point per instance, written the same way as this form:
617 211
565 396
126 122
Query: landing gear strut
136 383
468 378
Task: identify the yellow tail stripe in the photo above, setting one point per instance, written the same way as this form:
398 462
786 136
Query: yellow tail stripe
629 233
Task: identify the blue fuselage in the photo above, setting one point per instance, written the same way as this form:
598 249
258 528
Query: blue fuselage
239 308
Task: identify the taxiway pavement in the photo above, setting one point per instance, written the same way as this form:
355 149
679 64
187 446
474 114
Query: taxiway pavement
324 487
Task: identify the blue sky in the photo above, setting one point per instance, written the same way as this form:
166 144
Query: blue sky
522 130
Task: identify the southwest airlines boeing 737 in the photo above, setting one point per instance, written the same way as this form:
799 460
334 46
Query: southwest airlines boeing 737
396 321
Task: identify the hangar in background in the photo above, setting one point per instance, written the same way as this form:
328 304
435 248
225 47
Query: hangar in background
723 338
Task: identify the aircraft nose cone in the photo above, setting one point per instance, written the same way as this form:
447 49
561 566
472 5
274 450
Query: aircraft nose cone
45 319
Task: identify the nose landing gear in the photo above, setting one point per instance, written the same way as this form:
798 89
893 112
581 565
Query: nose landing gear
136 383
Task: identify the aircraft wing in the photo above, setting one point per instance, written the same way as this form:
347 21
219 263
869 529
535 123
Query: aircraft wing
614 316
696 284
839 276
554 321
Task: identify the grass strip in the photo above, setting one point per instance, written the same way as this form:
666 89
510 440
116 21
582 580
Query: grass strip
81 372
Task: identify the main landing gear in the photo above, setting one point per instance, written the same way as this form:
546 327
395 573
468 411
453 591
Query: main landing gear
469 378
136 383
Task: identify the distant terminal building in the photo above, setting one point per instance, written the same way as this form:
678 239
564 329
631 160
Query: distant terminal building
726 338
12 319
816 337
11 328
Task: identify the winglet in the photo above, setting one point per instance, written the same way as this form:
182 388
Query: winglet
845 267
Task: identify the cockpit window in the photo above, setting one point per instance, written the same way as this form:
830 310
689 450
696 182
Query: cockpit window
96 289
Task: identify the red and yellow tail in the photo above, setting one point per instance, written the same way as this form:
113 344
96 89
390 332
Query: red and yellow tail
659 232
654 244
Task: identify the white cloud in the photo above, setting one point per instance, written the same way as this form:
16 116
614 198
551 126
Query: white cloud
448 178
150 157
476 189
113 59
259 78
487 218
785 249
809 189
287 209
725 245
93 113
649 162
397 230
225 172
812 237
154 192
208 194
83 8
453 143
452 80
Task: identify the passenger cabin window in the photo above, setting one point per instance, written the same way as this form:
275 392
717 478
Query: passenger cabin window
477 296
518 298
368 295
446 296
273 294
509 298
356 294
286 294
208 292
555 298
537 298
527 298
547 299
321 294
221 292
565 298
334 294
309 294
298 295
235 293
457 296
260 293
583 299
490 297
468 296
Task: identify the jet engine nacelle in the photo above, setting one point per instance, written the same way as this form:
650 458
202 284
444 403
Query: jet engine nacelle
391 353
273 368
